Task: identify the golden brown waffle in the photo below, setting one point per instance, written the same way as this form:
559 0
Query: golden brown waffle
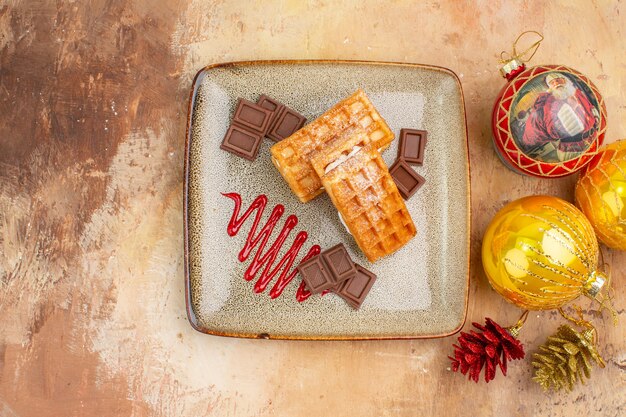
334 154
369 203
292 156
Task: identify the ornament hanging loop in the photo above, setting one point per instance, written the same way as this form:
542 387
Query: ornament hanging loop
534 47
515 329
513 64
580 321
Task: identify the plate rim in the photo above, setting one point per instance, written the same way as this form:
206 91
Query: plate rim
191 315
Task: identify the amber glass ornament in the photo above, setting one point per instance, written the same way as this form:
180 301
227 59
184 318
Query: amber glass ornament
601 194
540 252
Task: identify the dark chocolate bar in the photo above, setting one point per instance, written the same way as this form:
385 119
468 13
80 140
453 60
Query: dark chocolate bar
328 269
355 289
269 103
287 123
339 262
252 116
242 142
407 180
411 145
315 275
272 105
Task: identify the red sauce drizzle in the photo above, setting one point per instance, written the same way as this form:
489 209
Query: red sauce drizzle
259 240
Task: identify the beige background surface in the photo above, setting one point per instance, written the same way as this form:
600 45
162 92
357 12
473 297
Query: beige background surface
93 106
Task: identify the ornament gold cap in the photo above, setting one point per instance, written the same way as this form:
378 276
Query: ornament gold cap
598 288
511 67
595 284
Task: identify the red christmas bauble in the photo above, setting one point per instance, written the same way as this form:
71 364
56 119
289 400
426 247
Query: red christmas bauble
548 121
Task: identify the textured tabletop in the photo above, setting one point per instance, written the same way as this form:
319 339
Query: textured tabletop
93 106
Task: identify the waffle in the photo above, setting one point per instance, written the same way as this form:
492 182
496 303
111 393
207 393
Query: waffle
369 202
292 156
325 159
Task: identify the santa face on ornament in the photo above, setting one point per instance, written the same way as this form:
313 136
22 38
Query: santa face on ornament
554 117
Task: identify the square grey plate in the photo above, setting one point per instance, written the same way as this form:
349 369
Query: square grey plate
421 290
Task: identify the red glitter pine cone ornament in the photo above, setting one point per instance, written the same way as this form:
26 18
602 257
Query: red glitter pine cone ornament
549 120
493 346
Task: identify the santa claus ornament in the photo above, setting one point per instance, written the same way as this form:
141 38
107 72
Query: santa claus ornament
549 120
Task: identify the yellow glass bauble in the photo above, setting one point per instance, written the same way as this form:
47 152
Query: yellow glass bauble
601 194
540 252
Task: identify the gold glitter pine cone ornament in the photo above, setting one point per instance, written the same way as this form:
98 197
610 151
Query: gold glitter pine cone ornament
566 359
540 252
601 194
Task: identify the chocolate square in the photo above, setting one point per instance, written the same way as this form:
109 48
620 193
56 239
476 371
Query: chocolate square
411 146
269 103
339 263
355 289
407 180
252 116
288 121
242 142
315 275
272 105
